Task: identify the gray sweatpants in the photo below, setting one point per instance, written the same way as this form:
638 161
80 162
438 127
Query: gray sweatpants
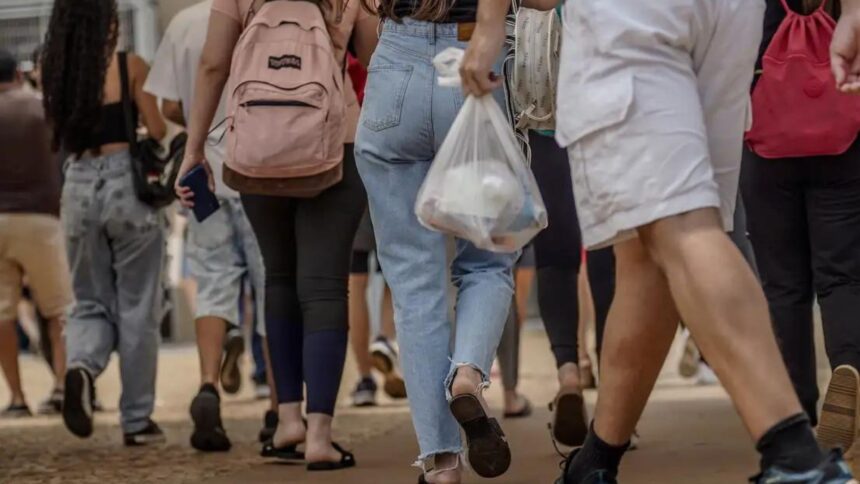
116 249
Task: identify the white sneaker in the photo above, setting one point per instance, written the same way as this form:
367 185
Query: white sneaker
690 360
706 376
385 361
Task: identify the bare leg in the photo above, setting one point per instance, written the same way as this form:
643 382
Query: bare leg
725 310
387 322
359 323
58 347
291 428
584 375
318 445
9 361
639 330
210 348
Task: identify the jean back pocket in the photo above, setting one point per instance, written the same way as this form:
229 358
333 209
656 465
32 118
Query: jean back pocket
385 93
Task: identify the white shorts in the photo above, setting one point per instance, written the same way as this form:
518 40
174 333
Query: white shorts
653 104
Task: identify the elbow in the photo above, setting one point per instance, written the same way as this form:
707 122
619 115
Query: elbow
157 132
214 69
172 111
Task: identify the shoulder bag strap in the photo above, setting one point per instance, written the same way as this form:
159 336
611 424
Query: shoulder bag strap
128 111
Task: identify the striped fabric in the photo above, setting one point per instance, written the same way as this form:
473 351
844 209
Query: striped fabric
522 136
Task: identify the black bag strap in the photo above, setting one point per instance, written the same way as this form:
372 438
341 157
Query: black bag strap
127 109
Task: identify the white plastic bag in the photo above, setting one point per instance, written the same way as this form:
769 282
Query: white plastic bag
479 187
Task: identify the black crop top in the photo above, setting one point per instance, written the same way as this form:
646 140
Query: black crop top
461 10
112 128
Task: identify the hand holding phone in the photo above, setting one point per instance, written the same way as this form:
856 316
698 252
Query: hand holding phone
205 201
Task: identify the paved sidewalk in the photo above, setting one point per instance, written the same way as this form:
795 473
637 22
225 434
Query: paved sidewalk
690 435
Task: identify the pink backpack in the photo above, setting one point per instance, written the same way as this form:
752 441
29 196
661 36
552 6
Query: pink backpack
286 110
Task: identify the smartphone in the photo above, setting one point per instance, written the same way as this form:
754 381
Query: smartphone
205 202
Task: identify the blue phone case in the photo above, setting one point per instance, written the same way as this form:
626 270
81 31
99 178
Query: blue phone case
205 202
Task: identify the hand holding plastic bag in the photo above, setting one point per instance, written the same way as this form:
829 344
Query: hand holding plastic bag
479 187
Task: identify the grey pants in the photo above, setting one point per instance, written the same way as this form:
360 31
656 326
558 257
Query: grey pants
509 351
116 251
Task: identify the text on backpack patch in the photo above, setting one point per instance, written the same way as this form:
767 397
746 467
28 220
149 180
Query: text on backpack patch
285 62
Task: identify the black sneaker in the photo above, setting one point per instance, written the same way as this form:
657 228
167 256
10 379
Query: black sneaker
151 434
52 405
270 424
234 348
833 470
386 362
599 476
78 402
13 411
209 434
364 394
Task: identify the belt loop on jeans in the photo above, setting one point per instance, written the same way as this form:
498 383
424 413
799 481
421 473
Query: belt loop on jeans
433 33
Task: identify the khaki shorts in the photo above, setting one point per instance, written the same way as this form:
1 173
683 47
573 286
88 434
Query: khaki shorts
33 246
653 104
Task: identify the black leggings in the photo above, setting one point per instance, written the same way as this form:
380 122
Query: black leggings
307 246
803 217
558 255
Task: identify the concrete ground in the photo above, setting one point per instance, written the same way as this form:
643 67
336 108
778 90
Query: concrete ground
690 435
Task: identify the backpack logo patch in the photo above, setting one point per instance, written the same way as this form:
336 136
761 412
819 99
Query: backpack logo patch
285 62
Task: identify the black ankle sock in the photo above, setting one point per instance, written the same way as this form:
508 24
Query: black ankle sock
790 445
209 388
595 455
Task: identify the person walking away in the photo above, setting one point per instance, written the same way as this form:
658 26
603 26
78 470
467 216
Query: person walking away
804 221
222 250
381 353
115 242
399 134
32 245
305 242
666 108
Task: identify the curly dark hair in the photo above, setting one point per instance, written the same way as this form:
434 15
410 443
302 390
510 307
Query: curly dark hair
80 41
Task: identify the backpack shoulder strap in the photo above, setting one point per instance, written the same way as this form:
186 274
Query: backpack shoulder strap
127 109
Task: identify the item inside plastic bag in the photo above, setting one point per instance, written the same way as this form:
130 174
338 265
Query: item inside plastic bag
479 187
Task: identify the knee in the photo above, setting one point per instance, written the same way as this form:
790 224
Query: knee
634 258
324 303
669 241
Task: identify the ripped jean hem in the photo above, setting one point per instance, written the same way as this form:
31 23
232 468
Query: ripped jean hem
449 380
427 464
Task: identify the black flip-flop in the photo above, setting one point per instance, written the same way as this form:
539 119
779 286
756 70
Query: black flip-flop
288 453
569 422
489 453
346 461
524 412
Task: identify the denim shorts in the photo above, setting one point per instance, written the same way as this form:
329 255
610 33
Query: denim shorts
223 256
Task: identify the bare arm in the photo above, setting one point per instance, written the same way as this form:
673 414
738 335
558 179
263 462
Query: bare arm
172 110
541 4
365 37
212 76
146 103
485 48
845 49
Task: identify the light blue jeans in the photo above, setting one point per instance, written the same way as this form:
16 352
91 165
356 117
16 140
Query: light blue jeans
404 120
116 251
